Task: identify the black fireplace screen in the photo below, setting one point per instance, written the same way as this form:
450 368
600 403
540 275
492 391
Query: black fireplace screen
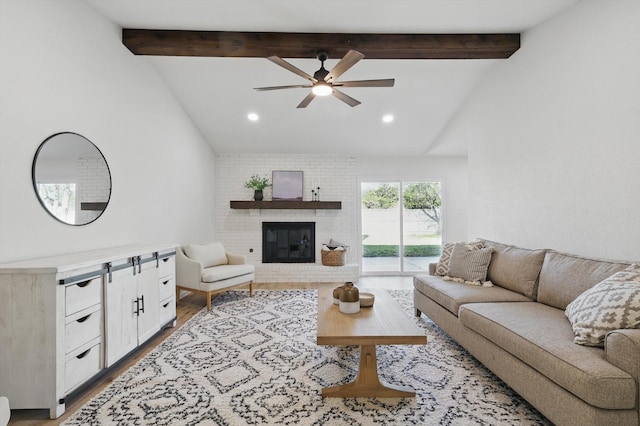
288 242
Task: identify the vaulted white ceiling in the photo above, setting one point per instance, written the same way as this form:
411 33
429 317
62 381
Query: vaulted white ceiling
217 93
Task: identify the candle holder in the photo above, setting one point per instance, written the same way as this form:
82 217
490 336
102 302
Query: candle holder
315 194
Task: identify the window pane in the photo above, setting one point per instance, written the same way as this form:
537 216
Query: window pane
380 227
59 199
422 224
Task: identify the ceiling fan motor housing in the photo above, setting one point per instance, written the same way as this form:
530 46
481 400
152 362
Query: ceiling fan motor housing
320 74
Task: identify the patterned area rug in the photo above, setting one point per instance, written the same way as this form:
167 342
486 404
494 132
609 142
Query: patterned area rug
255 361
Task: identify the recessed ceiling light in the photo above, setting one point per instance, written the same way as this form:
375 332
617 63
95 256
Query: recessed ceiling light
387 118
252 116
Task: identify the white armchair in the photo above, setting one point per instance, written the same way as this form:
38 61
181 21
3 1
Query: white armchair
209 269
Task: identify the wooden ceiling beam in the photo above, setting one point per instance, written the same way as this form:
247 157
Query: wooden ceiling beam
306 45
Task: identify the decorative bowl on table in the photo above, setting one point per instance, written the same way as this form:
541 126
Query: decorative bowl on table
366 300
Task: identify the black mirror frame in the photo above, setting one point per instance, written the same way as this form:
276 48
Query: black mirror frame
35 185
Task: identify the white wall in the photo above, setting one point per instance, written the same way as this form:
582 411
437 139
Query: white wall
64 68
554 136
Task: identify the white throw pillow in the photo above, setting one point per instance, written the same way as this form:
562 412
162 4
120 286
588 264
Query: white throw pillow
212 254
612 304
334 243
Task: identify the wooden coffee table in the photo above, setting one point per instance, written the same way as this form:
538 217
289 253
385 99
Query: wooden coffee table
383 324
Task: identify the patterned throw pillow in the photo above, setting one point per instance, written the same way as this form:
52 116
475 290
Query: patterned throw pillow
469 266
443 265
612 304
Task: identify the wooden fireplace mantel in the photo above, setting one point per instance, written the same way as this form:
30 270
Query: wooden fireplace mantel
287 204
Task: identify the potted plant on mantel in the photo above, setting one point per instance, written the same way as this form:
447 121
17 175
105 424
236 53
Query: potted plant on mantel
257 183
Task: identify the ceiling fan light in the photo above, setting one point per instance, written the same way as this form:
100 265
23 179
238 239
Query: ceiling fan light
321 89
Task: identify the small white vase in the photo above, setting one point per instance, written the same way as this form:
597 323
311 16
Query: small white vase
349 307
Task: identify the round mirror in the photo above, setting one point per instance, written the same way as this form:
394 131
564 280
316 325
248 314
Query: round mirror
71 178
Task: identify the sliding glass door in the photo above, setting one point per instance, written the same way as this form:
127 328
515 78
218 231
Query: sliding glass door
381 227
401 226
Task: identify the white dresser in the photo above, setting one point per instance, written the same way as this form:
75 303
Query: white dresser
64 319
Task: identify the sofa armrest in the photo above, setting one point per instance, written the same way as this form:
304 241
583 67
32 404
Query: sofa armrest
622 349
432 268
236 259
188 271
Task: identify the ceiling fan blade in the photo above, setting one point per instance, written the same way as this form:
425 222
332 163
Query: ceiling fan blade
306 101
349 60
286 65
388 82
345 98
294 86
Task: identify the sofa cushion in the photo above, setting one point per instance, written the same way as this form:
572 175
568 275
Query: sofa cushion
541 337
223 272
612 304
564 277
442 268
451 295
515 268
469 265
212 254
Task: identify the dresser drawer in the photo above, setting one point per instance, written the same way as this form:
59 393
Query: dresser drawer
79 331
82 295
81 366
167 310
167 266
167 287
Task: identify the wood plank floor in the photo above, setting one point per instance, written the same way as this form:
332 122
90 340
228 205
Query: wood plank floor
187 308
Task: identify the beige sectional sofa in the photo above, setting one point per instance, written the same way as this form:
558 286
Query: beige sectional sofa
518 329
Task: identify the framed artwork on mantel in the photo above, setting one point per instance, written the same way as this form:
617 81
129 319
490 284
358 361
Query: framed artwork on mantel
287 185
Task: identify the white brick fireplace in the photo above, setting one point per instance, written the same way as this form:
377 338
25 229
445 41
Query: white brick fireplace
241 230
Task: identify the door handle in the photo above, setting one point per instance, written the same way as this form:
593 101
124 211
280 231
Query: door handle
139 302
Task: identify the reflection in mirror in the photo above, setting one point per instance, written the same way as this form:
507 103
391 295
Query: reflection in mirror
71 178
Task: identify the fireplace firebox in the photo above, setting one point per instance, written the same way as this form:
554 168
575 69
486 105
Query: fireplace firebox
288 242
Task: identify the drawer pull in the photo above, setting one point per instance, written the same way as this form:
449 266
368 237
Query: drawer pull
83 354
83 283
166 304
165 282
83 319
165 260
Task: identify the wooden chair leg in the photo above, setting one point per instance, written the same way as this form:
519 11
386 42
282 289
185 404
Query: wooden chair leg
250 288
208 294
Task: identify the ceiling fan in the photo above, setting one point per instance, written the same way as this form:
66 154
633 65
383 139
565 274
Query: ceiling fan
324 82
